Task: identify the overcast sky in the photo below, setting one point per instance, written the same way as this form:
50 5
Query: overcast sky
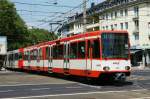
38 18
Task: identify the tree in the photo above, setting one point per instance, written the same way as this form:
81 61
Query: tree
37 35
11 25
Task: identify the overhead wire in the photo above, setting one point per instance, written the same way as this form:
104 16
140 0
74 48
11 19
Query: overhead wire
60 16
36 4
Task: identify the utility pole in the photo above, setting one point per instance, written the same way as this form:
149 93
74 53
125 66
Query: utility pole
84 15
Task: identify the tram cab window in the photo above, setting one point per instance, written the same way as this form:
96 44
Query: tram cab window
81 49
73 50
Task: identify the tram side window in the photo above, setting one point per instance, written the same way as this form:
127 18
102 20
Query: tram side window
20 56
31 55
40 54
11 57
96 48
35 55
47 52
25 56
73 50
28 56
16 56
81 49
60 51
54 52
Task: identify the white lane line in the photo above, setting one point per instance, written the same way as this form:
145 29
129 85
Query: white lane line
6 91
36 84
73 94
147 83
141 98
92 86
36 89
73 87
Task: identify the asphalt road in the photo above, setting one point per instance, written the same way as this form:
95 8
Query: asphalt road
18 85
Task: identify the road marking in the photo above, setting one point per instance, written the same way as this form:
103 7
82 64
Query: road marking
6 91
35 84
73 94
147 83
73 87
92 86
142 98
36 89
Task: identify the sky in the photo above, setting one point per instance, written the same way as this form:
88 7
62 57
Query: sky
48 11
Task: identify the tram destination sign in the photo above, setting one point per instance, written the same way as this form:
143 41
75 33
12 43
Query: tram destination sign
3 45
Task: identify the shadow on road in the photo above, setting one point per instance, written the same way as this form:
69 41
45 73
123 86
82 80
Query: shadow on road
83 80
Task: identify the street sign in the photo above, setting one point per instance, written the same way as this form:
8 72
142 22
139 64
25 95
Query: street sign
3 45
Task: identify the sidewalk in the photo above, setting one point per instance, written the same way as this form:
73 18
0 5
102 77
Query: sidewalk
140 68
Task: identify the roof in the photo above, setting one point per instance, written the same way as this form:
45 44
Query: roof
95 33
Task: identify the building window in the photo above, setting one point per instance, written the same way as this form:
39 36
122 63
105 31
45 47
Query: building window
115 14
121 25
106 27
112 27
121 12
107 16
126 25
115 26
149 30
103 28
136 11
136 22
126 12
112 15
103 17
136 37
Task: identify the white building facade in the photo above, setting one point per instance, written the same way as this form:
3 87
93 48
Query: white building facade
130 15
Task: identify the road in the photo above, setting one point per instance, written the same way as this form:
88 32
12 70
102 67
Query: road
18 85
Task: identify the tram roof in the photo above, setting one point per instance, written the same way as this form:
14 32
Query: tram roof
87 34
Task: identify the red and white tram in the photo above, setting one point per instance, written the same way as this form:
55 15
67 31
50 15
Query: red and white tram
91 54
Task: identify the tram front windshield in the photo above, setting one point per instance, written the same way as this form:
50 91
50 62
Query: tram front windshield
115 45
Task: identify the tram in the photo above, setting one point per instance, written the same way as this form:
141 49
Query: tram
92 55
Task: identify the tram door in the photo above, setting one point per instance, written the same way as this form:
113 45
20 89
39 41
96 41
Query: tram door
50 59
39 59
29 59
66 56
93 55
89 55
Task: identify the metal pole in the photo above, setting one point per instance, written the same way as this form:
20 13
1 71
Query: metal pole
84 15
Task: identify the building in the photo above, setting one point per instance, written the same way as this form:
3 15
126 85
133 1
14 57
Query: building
130 15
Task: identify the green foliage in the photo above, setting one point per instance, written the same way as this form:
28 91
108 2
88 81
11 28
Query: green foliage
37 35
12 26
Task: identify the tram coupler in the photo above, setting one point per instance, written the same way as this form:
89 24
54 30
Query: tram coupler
120 76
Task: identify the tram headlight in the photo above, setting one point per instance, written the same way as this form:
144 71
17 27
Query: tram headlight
106 68
127 67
